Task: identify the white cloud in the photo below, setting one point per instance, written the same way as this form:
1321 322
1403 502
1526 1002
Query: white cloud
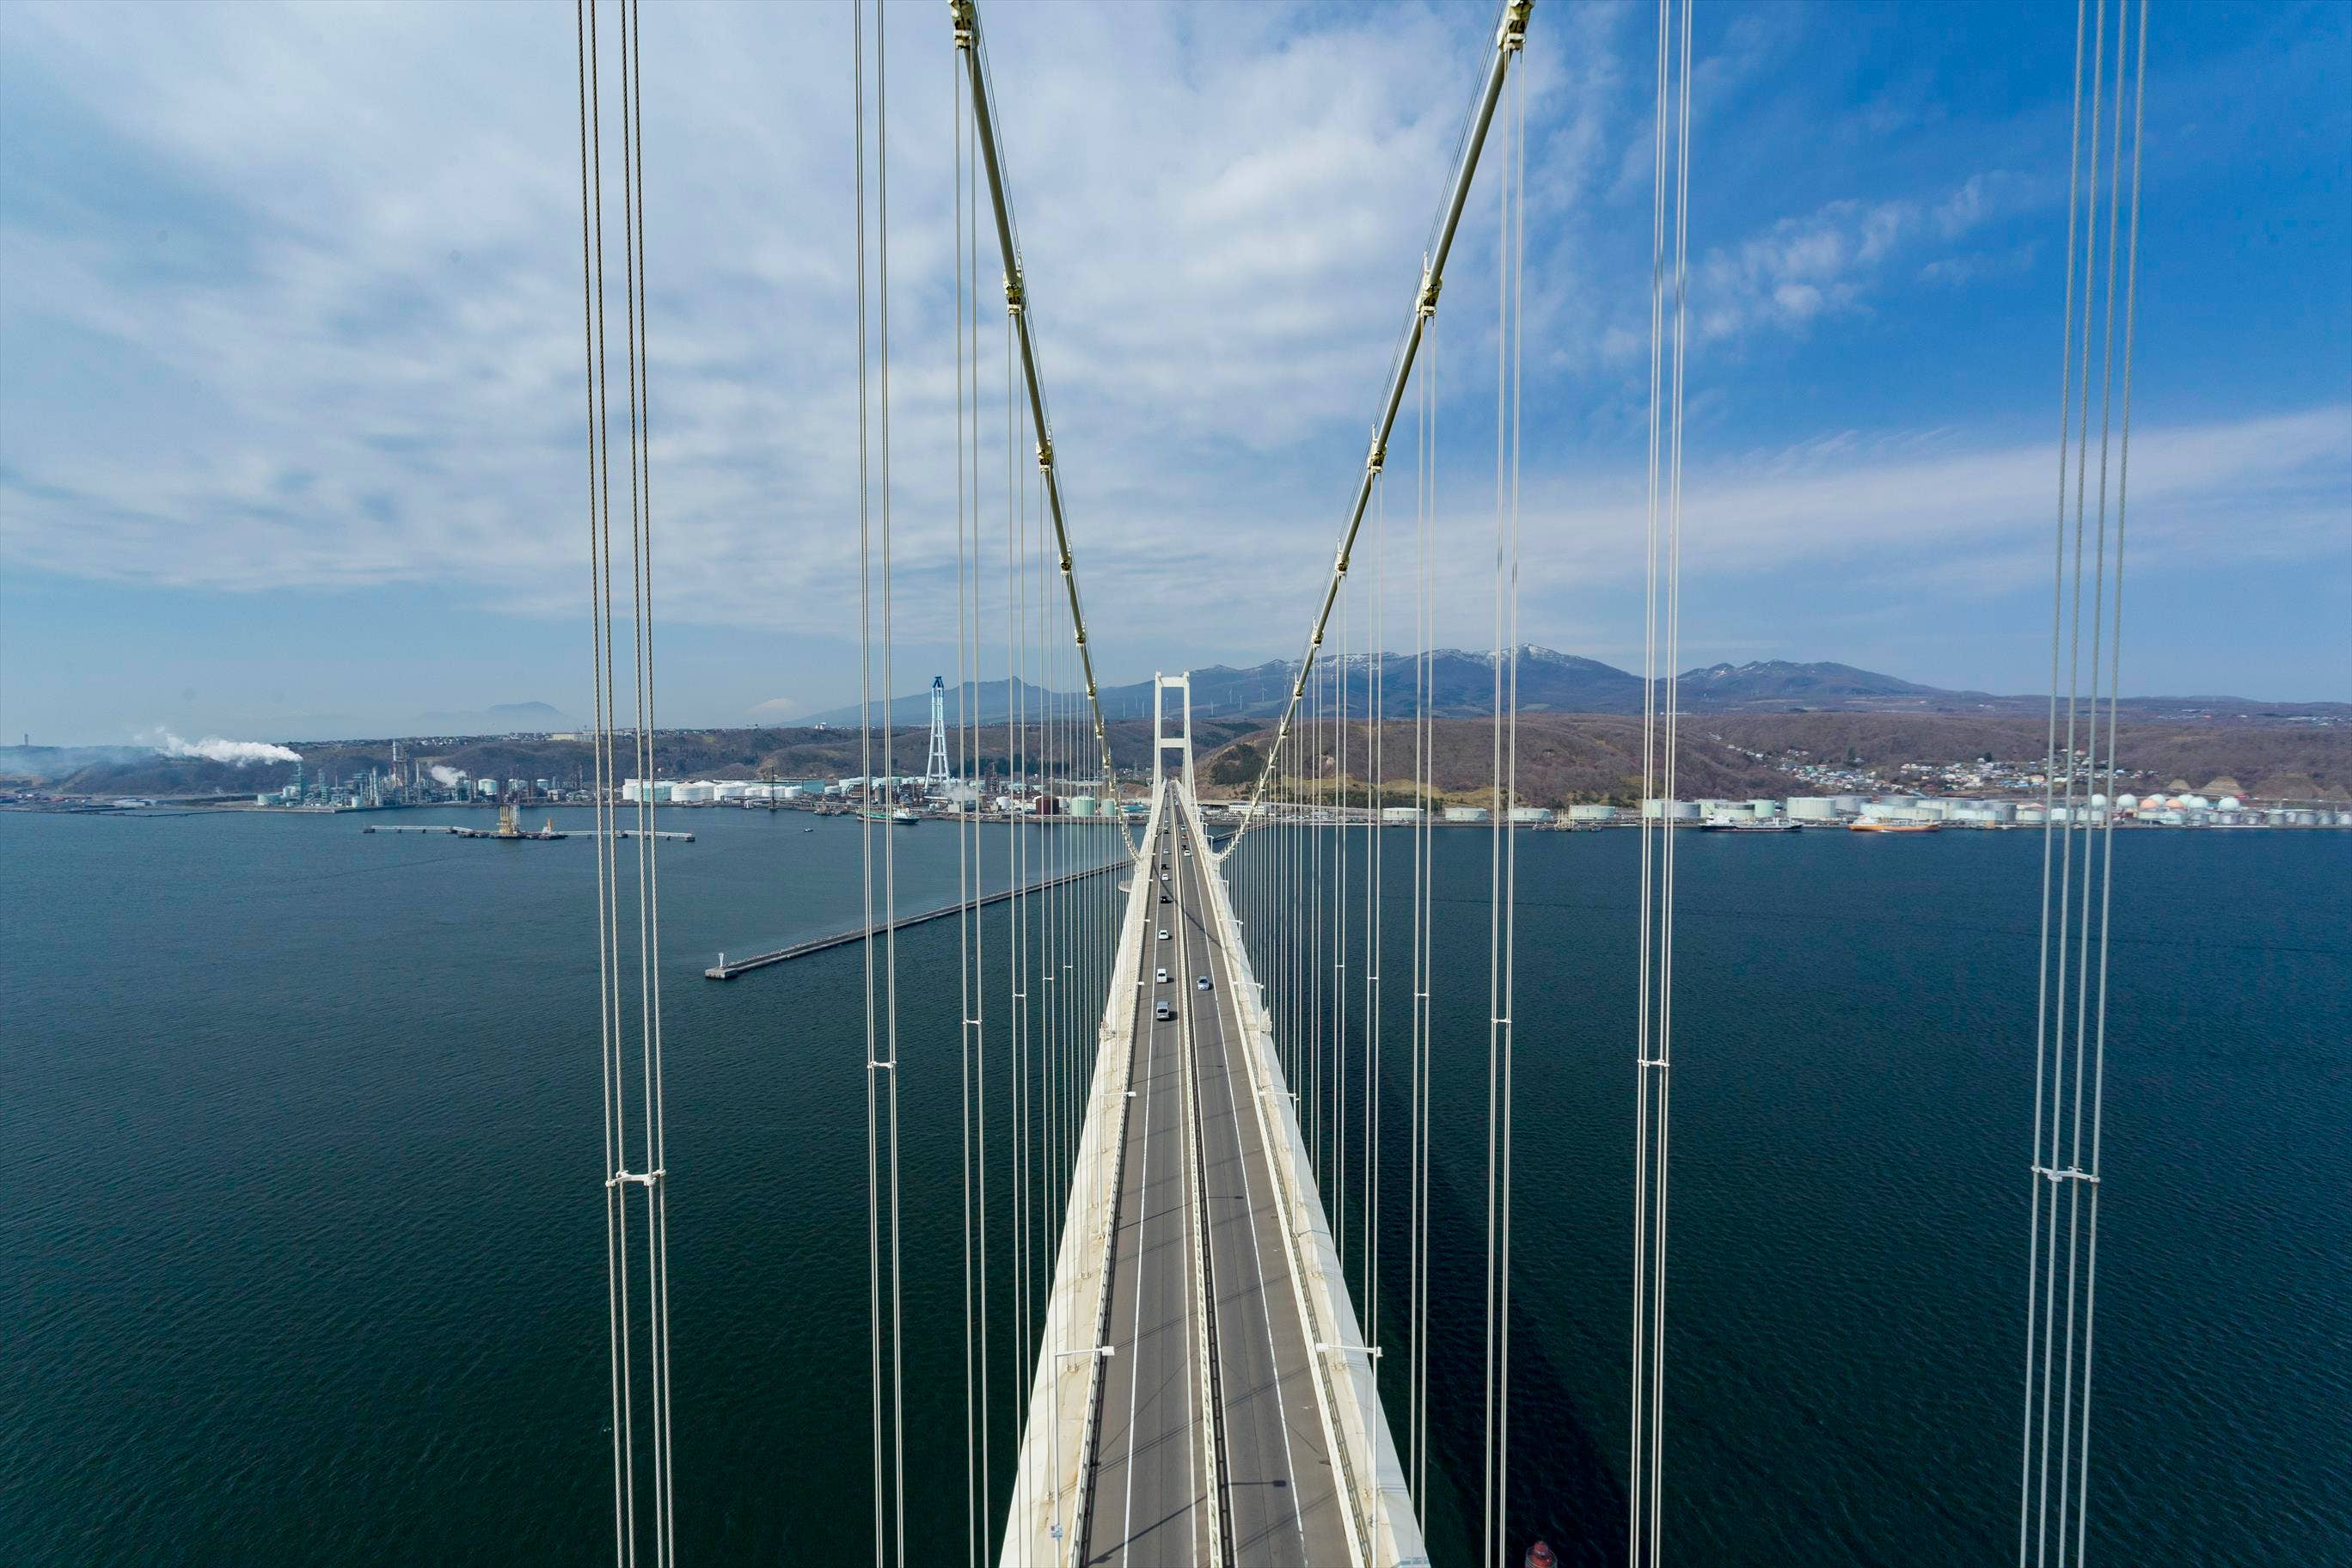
1829 261
1939 519
355 358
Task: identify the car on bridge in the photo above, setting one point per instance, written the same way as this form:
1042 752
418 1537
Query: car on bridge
1164 933
1162 977
1164 1012
1201 982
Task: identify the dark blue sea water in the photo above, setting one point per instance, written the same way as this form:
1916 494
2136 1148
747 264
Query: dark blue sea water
303 1257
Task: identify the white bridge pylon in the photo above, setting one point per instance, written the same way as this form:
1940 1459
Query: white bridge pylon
1163 743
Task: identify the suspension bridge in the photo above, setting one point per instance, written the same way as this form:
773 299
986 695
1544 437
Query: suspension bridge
1184 1123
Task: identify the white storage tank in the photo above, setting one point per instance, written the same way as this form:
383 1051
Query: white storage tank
1402 814
1811 808
1846 805
1592 814
1465 814
1081 805
1672 810
1764 808
1531 814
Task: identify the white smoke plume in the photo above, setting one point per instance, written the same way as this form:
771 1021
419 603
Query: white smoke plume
213 749
447 778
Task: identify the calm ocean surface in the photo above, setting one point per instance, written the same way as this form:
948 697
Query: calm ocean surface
303 1252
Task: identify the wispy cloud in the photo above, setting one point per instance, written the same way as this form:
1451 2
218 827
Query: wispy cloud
293 302
1831 260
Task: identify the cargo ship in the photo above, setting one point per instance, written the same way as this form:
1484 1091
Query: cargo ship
1724 821
1870 824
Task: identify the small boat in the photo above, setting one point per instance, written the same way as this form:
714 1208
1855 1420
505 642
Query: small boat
808 830
1879 825
1541 1555
905 818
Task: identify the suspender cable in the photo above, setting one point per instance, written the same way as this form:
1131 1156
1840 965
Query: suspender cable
1374 742
1660 751
2070 1072
1511 35
656 1141
1424 618
1503 851
657 1527
975 1425
866 816
600 621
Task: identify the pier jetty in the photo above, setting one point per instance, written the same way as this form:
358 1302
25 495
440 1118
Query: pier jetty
728 969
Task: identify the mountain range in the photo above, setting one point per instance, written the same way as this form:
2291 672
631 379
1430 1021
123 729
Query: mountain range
1462 686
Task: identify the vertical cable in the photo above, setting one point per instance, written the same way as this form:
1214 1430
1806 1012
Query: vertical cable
2068 1089
656 1140
2106 828
600 595
866 813
1660 758
975 1527
889 766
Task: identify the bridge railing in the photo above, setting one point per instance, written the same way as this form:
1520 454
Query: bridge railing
1383 1530
1049 1486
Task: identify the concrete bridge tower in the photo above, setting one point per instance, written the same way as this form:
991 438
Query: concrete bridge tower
1163 743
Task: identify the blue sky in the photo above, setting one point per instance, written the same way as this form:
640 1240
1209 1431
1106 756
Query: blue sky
290 442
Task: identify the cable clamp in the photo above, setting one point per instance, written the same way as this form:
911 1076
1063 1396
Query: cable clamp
2071 1174
884 1066
1426 306
1014 296
1514 33
1046 465
1653 1062
641 1178
1377 457
960 11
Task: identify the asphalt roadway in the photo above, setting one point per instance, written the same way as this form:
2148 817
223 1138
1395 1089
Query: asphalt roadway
1155 1458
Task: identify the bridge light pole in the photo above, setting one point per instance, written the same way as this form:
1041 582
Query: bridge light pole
1106 1353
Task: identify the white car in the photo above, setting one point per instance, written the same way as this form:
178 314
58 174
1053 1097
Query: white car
1164 933
1163 977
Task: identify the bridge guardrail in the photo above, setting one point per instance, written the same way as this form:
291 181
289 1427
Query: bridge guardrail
1383 1531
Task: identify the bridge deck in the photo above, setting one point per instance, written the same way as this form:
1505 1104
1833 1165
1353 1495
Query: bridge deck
1193 1147
1194 1247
